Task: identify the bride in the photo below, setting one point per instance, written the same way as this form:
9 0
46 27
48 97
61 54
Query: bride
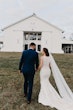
48 96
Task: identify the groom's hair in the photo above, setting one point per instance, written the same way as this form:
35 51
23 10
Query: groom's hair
32 44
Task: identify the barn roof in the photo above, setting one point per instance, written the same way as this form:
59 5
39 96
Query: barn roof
30 17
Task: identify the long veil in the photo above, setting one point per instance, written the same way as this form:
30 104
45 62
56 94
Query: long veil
64 90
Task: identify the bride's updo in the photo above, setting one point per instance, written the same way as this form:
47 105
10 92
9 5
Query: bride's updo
46 51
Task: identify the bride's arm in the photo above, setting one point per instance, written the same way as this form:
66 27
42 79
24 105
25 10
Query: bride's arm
49 65
41 63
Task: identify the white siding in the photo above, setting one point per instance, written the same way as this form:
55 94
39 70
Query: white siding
52 41
13 41
51 36
33 24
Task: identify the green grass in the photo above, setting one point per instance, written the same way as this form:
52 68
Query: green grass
11 82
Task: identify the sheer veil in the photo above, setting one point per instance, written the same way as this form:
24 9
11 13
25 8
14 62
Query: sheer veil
64 90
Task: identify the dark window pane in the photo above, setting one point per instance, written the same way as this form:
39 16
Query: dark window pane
39 47
1 44
26 46
32 35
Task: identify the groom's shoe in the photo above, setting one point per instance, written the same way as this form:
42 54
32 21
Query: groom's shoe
25 95
28 102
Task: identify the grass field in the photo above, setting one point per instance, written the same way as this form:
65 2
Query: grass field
11 82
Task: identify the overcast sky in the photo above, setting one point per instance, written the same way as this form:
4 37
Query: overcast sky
57 12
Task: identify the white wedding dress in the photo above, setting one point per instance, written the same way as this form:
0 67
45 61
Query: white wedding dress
48 96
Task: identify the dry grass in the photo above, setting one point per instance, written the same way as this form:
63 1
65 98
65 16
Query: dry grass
11 82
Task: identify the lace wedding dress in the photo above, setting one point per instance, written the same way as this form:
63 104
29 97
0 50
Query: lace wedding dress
48 96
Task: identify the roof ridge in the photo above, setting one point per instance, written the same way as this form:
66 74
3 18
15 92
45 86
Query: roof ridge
30 17
18 22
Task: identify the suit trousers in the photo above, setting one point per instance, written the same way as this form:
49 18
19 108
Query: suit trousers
28 85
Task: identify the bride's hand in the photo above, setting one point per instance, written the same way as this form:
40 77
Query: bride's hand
37 70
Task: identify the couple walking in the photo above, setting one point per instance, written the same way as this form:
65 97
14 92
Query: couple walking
29 63
48 96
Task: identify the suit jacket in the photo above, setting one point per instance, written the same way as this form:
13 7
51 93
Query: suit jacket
29 61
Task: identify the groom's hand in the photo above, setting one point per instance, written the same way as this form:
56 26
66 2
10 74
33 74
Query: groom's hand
37 70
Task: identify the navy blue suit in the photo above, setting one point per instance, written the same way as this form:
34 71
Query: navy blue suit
28 63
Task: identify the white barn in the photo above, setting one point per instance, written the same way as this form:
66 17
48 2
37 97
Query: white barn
19 35
67 46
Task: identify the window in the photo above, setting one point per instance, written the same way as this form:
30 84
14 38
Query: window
67 48
32 35
26 36
26 46
39 36
1 44
39 48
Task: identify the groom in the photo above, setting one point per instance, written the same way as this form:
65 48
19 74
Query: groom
29 62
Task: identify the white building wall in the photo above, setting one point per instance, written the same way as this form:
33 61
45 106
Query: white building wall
52 41
33 24
56 42
13 41
46 40
51 36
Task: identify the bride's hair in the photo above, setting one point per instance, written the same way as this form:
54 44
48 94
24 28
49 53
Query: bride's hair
46 51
